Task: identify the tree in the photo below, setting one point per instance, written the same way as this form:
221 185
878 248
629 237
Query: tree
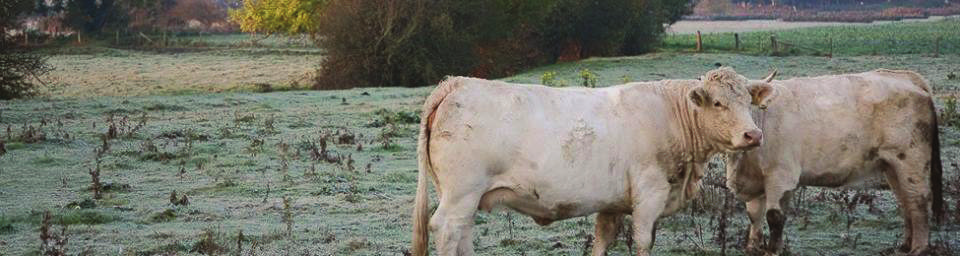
203 11
41 8
144 15
17 66
93 16
279 16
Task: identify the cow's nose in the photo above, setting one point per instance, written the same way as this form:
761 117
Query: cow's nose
753 137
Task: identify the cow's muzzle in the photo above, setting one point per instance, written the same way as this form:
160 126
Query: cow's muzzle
751 139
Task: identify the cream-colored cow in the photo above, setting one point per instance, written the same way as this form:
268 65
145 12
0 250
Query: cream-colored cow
835 131
555 154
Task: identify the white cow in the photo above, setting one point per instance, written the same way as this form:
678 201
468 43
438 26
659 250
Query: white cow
833 131
555 154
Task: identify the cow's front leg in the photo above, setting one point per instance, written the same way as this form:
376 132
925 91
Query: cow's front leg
755 209
608 226
777 192
649 201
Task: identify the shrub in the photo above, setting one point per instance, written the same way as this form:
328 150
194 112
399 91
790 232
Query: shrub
390 43
608 27
418 42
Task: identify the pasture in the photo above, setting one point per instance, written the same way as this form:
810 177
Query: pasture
256 163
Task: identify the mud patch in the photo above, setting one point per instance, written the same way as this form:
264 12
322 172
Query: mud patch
578 142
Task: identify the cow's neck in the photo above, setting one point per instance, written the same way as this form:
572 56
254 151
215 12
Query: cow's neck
691 145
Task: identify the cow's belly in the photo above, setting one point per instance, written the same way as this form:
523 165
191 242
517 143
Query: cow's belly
838 168
552 194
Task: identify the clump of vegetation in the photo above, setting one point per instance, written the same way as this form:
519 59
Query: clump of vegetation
384 117
949 115
283 150
207 244
386 138
286 217
95 185
85 204
346 137
240 239
268 126
847 203
181 201
256 146
164 216
29 134
52 244
549 78
588 79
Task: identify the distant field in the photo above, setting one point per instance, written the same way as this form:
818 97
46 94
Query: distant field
880 39
115 72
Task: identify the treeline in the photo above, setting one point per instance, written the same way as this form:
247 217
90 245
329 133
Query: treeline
97 16
418 42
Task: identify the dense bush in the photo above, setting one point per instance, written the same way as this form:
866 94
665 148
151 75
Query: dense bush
399 42
418 42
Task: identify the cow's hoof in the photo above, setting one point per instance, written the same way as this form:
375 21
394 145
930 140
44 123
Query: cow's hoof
755 251
920 252
904 248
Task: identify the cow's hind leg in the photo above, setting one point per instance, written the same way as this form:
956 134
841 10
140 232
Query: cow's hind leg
755 209
608 226
913 194
898 193
453 222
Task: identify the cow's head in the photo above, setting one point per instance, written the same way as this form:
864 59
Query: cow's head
724 100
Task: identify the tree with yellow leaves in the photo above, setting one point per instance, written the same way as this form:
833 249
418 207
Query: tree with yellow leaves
292 17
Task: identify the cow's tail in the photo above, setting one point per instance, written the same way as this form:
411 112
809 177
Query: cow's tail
421 215
936 168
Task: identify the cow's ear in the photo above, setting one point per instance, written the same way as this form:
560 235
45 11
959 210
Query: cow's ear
761 93
698 95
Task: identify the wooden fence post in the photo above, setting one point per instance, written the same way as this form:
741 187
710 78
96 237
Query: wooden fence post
831 47
936 48
699 42
773 43
736 41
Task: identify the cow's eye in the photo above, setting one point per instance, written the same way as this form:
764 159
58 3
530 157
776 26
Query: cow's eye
717 104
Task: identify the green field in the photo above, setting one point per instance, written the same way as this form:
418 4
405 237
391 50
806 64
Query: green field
882 39
241 152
